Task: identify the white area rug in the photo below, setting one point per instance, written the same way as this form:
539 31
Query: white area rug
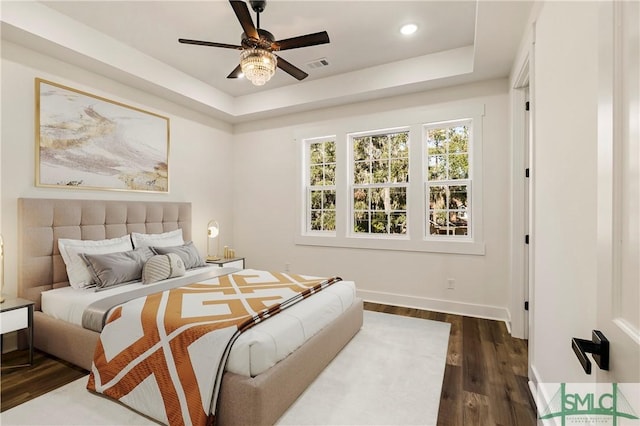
390 373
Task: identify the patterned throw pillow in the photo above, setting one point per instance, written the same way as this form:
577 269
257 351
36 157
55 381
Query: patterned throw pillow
161 267
187 252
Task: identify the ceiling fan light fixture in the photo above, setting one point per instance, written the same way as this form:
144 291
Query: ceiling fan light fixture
257 62
258 65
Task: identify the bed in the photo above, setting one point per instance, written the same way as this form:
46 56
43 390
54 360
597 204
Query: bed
244 399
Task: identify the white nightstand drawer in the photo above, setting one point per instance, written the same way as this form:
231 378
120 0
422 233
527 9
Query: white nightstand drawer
15 319
234 264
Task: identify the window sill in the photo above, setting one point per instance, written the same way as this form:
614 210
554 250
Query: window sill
431 246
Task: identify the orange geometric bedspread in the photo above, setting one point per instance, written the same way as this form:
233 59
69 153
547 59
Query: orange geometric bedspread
164 354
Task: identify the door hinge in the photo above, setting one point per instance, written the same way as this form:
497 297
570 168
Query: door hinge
526 106
526 305
526 239
526 172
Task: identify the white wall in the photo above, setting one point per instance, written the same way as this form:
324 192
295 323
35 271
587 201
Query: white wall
265 182
247 181
199 161
564 169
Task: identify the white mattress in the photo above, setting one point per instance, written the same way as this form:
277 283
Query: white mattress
257 349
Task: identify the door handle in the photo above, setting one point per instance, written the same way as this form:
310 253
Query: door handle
598 346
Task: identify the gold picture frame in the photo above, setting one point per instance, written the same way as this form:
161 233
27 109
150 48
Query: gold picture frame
84 141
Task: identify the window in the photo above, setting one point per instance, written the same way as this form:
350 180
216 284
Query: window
447 178
321 185
414 184
380 164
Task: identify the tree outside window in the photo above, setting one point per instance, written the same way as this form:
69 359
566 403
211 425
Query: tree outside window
380 181
321 188
447 177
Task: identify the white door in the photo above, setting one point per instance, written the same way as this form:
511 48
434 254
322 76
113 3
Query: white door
619 196
527 207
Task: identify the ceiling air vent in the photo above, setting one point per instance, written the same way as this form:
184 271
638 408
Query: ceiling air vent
318 63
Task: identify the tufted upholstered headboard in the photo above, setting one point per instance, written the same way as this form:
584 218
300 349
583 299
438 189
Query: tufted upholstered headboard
42 221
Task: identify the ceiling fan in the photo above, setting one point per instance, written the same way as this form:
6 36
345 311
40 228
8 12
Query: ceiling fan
257 60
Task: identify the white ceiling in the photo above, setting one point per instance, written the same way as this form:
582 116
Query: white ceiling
136 42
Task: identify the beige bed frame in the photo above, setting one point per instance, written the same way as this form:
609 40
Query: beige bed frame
259 400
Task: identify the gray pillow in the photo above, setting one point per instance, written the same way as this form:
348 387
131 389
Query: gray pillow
161 267
187 252
112 269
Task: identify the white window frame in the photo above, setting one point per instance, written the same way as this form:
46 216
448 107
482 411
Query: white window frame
308 187
352 185
417 235
468 182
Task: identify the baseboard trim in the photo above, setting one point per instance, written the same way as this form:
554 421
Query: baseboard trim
537 392
437 305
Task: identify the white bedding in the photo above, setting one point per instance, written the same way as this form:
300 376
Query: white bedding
256 350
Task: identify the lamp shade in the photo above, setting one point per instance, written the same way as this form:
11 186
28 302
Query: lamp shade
213 231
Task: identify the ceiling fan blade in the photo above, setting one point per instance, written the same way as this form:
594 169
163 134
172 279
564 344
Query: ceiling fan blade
303 41
243 15
291 69
209 43
236 72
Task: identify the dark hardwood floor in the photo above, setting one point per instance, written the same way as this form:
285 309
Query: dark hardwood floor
485 378
18 385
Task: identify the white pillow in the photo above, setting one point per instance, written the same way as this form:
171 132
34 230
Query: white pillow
166 239
77 270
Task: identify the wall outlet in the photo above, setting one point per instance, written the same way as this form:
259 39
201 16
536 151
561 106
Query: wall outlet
451 283
286 267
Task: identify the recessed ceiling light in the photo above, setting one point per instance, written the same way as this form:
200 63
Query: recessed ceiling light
409 29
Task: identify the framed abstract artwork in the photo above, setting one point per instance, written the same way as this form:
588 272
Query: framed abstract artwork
88 142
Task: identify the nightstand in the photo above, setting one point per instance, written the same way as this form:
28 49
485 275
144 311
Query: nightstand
17 314
234 262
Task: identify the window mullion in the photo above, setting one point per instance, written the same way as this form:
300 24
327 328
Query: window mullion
343 180
415 191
